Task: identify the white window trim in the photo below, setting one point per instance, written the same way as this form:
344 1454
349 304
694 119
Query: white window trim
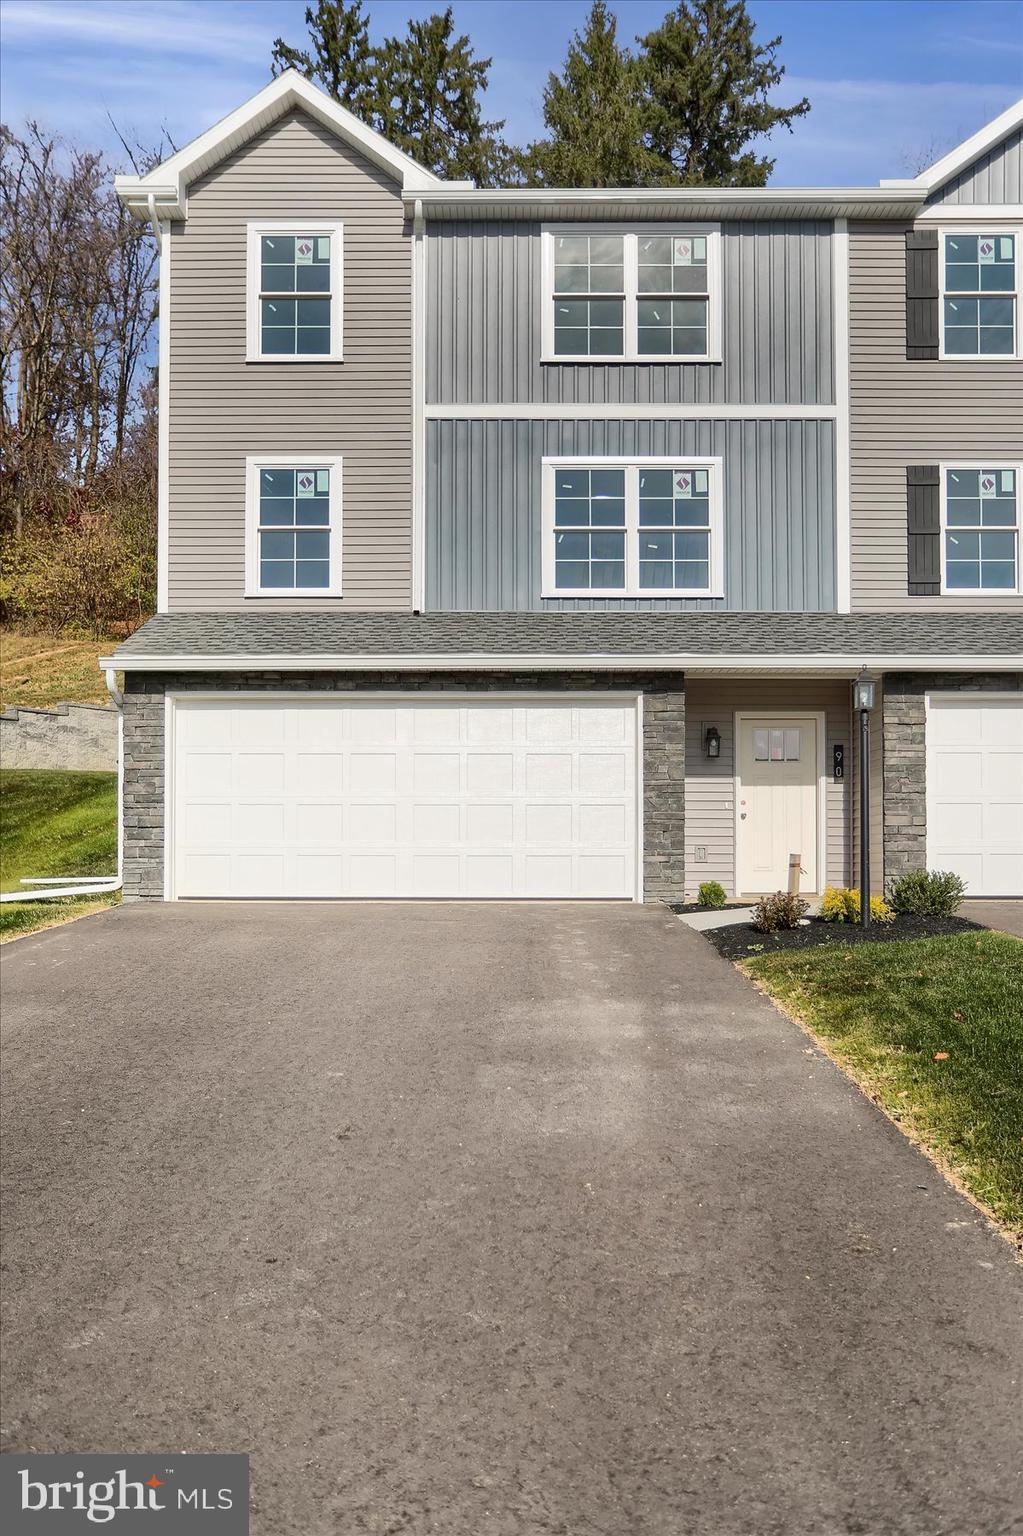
631 236
253 334
253 465
716 585
994 594
981 357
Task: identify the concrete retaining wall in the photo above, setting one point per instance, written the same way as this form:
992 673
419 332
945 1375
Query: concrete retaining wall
70 736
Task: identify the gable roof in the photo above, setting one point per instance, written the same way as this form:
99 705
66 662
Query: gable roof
964 154
167 183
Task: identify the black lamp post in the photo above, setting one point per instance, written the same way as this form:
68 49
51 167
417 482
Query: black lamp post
863 700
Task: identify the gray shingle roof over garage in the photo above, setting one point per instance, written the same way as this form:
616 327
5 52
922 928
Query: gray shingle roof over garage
407 639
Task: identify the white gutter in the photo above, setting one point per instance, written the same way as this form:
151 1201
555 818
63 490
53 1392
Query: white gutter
53 886
695 663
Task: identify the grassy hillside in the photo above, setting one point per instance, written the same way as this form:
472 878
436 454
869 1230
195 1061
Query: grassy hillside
54 824
46 669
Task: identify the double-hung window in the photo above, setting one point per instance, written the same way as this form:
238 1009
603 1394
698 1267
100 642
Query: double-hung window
293 533
632 528
979 294
294 280
631 296
980 529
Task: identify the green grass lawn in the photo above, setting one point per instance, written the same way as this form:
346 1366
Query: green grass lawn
933 1028
54 824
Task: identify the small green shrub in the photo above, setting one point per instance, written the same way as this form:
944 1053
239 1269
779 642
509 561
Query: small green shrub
841 904
928 893
711 894
779 911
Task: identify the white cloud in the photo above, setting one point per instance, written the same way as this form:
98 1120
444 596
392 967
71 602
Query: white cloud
175 26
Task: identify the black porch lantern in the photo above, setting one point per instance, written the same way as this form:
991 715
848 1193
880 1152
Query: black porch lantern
712 741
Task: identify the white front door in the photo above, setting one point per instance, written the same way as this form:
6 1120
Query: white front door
975 790
777 802
404 796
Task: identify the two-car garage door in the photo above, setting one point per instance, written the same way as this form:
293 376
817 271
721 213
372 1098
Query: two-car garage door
404 796
975 790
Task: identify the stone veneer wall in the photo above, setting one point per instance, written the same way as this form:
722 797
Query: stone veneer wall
905 757
663 750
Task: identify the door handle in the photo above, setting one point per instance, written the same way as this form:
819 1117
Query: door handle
742 815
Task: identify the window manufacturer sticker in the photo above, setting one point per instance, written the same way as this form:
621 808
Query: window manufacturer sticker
323 248
306 483
683 250
987 483
1005 246
304 252
683 483
1008 482
322 482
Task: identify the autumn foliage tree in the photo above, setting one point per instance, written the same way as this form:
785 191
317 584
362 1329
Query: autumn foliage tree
77 414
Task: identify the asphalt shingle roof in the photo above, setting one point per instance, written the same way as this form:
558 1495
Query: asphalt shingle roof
310 634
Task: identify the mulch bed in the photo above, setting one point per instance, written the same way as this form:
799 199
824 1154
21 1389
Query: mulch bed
740 941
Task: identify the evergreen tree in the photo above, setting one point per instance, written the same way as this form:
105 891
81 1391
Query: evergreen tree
430 86
342 56
706 84
594 115
422 91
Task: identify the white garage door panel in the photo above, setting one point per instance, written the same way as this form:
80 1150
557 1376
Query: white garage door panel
327 798
975 791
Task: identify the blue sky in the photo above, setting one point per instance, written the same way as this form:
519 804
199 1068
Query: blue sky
893 83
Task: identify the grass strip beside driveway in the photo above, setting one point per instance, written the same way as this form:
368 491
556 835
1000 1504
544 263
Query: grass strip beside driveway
933 1029
54 823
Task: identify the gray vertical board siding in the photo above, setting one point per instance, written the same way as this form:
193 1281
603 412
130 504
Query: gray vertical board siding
996 177
223 408
483 494
710 782
485 305
905 412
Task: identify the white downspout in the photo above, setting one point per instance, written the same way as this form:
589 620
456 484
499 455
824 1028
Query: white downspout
52 886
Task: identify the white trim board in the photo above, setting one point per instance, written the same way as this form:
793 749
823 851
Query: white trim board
614 410
820 717
163 397
843 473
695 663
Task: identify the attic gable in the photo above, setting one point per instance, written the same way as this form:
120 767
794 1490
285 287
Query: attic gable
969 153
163 191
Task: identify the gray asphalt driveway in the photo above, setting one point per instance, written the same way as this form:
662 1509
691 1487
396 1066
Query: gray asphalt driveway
485 1221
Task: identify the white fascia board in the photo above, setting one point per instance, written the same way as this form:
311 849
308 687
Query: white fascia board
170 180
964 154
490 661
710 202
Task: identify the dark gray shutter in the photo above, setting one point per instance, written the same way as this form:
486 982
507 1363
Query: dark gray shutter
923 523
922 293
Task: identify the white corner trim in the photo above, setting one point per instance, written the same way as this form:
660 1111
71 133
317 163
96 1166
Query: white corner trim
633 465
963 155
843 473
971 213
630 252
613 410
418 408
334 230
298 460
163 396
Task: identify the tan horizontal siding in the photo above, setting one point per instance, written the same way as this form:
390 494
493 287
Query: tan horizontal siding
710 783
906 412
223 408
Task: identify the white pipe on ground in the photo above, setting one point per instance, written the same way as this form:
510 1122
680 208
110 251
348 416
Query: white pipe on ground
87 885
